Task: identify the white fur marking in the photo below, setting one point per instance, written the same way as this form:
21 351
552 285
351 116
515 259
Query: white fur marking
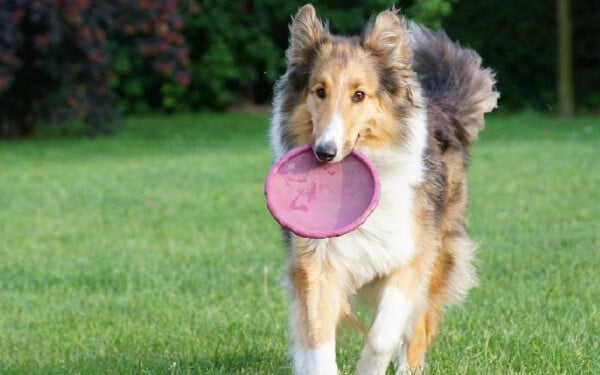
322 360
299 358
310 361
334 133
317 361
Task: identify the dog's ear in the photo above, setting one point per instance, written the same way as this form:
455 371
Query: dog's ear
306 34
387 38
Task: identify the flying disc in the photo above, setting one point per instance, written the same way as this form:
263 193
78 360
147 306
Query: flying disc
320 200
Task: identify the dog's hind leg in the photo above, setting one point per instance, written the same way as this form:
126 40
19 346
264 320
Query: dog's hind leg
417 347
424 333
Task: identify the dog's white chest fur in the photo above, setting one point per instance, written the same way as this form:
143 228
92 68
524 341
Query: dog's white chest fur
385 240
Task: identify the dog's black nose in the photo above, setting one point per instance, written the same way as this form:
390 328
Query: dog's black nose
325 152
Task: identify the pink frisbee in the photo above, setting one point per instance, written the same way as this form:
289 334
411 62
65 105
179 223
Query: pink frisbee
320 200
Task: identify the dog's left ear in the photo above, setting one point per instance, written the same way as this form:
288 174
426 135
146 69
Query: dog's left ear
387 38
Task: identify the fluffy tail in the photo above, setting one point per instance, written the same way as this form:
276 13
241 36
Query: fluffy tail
453 79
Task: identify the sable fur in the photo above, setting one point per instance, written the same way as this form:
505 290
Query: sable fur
425 98
454 82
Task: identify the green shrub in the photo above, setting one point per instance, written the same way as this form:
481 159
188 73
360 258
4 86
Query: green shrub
518 39
237 48
56 69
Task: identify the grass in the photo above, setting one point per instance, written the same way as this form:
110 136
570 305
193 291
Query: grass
145 253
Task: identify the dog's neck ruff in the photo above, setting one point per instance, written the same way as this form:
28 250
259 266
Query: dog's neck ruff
405 160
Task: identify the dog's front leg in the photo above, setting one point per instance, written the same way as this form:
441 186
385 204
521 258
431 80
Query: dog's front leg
401 297
385 337
314 314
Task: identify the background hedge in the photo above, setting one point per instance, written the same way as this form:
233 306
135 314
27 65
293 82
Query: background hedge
518 39
237 47
82 60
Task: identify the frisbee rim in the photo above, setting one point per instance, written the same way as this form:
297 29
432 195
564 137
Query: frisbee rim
316 233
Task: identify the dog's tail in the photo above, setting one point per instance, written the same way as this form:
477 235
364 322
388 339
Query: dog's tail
453 79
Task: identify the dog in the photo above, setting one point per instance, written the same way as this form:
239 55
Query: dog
412 101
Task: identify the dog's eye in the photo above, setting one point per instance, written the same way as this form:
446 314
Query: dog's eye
320 93
358 96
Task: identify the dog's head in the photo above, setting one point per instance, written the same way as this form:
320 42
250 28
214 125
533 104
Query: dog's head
350 90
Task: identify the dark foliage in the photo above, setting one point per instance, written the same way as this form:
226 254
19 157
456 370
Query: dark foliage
237 47
518 39
85 61
151 41
55 62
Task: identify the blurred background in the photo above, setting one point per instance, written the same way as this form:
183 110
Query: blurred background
90 62
134 235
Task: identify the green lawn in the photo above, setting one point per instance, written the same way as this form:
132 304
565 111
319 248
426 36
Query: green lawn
145 253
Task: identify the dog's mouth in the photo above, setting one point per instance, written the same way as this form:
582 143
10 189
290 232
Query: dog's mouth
329 153
325 156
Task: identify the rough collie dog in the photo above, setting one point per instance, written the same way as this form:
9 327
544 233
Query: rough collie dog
412 101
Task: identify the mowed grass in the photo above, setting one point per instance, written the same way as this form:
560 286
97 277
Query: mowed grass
146 253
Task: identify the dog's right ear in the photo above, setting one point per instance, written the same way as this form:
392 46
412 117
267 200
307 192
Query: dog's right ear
306 34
